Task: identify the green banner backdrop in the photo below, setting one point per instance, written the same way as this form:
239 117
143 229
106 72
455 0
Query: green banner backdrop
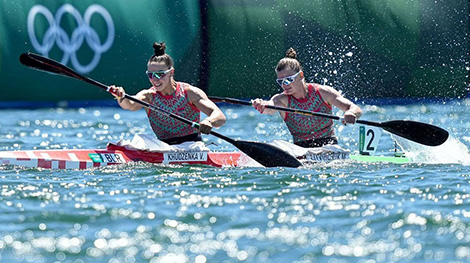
365 48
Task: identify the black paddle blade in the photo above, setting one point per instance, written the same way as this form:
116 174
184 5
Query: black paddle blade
266 154
39 62
27 60
419 132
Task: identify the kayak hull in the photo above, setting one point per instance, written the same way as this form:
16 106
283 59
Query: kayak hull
89 158
114 154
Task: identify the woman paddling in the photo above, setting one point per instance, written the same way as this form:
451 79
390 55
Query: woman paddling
177 97
307 131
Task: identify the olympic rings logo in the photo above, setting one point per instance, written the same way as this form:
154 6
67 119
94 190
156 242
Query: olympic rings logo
71 44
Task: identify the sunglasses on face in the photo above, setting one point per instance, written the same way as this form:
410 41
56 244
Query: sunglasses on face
157 74
287 80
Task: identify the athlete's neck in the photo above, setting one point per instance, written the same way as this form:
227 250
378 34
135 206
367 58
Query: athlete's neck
171 89
302 93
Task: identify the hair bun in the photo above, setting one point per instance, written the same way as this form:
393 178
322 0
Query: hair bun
159 48
291 53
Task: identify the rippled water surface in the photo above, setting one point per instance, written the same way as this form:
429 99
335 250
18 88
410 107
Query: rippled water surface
338 212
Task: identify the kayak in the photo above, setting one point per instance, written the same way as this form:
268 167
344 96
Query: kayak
112 155
116 154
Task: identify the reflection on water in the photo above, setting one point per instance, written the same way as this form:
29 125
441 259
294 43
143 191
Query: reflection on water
338 212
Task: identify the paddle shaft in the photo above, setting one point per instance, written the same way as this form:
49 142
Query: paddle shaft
297 111
167 113
419 132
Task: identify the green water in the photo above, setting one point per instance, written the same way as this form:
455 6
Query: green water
339 212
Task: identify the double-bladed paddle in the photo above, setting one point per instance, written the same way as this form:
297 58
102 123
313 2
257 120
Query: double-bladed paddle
265 154
419 132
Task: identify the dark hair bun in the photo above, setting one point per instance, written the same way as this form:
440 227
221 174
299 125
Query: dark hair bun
291 53
159 48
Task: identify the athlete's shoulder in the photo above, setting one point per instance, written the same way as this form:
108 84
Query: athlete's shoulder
322 87
280 99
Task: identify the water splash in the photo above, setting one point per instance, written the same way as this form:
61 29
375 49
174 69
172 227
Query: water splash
451 152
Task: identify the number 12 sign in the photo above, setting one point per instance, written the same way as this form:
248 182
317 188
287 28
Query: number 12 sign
368 139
